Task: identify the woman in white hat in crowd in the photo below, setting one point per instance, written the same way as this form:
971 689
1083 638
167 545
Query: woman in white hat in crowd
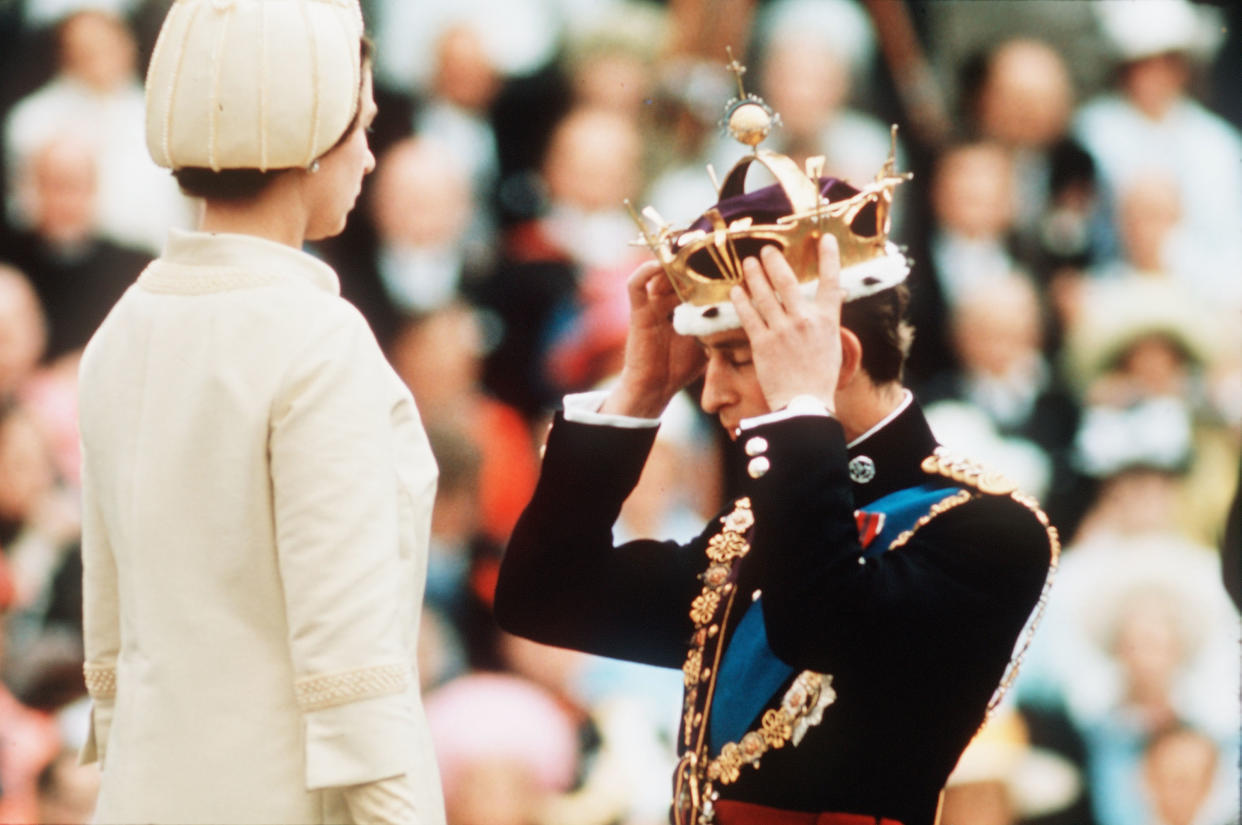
257 484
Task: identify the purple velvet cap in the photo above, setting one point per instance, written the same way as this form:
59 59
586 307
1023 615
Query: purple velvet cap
767 205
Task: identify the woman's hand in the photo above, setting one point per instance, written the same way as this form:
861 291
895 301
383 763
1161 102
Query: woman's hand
658 361
795 341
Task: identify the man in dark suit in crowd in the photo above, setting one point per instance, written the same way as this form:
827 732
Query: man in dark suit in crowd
77 273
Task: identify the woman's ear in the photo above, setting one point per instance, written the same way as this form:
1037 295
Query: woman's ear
851 358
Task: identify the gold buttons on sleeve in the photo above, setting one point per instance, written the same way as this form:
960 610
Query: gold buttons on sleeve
758 467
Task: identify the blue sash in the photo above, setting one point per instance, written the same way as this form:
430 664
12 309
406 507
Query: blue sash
750 674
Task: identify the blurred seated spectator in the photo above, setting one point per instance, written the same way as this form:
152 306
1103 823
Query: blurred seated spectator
1154 246
97 97
439 356
520 36
970 243
1152 123
812 56
1140 339
957 34
1153 637
77 273
1137 460
1022 99
455 111
481 75
812 59
413 255
972 199
1001 779
421 208
612 62
1141 355
504 747
1149 211
1148 214
1026 418
23 333
591 166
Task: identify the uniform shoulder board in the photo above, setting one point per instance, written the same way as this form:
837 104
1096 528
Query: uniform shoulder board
976 477
969 472
989 482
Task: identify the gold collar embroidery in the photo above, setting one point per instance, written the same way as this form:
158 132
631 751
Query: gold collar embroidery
801 708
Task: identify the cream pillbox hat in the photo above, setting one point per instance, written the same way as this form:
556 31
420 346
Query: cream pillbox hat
252 84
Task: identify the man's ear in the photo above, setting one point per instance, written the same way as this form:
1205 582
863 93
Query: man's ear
851 358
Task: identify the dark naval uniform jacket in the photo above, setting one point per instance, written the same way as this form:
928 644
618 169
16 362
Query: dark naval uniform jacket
835 659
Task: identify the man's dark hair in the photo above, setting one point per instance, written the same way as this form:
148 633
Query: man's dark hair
243 184
880 323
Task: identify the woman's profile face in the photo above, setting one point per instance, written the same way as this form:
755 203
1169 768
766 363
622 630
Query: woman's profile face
333 190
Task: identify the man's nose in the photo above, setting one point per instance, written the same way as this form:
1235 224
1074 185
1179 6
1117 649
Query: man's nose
716 389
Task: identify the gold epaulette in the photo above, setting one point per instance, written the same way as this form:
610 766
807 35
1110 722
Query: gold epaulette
989 482
969 472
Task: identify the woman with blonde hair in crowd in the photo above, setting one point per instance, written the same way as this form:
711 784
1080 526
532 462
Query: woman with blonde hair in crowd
257 484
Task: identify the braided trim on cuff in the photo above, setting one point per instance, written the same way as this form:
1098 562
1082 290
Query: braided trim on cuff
100 680
332 689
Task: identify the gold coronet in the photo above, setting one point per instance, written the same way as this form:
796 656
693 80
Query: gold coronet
704 264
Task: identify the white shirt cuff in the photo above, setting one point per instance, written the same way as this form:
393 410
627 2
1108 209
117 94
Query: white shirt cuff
583 408
800 405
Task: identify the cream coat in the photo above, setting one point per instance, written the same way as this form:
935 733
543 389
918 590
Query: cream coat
257 495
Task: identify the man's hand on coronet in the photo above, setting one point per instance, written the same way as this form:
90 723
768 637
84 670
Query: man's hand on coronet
795 341
658 361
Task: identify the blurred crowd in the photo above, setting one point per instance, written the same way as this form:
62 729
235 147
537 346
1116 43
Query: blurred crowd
1075 222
